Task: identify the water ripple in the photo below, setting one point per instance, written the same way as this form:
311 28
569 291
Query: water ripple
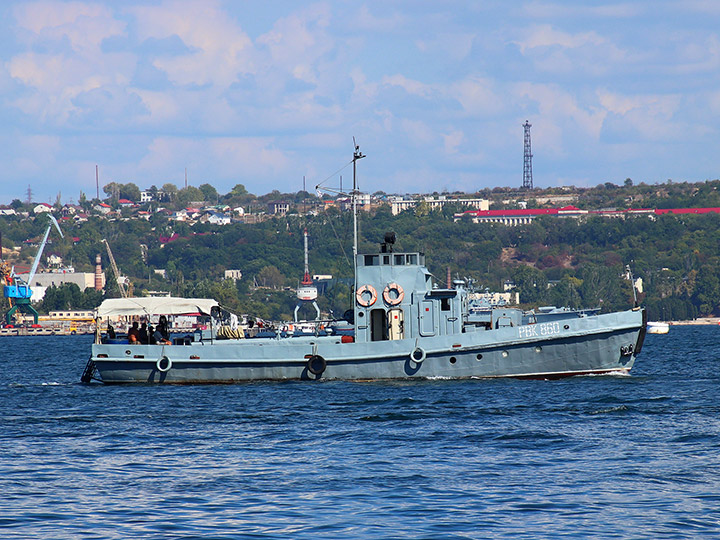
586 457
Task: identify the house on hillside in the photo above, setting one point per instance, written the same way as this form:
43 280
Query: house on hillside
215 218
149 196
399 204
102 208
278 207
42 207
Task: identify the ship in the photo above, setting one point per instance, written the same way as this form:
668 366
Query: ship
403 325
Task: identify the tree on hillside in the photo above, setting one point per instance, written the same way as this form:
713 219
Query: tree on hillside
531 283
188 195
270 276
170 191
210 194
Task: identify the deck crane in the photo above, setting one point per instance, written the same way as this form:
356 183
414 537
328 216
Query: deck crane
17 289
119 281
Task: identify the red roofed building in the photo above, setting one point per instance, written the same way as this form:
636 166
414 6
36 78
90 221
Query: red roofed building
521 217
661 211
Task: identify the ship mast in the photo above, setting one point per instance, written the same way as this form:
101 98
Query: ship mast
354 193
307 280
307 292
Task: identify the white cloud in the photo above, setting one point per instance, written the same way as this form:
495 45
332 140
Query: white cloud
362 89
562 116
651 116
419 132
59 77
161 106
545 10
546 36
452 141
368 22
219 51
477 95
456 46
85 25
411 86
297 42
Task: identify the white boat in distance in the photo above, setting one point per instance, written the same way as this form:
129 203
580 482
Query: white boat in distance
657 327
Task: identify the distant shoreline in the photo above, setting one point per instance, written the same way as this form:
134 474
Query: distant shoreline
702 320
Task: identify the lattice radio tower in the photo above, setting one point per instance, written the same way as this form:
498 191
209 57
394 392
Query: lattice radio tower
527 166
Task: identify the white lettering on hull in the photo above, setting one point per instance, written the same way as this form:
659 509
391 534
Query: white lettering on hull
537 330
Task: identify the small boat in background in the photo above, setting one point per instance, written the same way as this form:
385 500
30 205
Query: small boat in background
656 327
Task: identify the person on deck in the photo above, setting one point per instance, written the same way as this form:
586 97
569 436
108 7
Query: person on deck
143 334
161 334
134 333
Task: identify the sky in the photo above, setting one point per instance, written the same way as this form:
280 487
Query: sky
265 94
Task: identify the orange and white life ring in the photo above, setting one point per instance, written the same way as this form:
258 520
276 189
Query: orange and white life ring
360 295
399 294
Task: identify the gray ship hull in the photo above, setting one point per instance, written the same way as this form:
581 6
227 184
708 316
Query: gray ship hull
573 346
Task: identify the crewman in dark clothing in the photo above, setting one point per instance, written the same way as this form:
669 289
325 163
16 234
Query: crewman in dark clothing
144 338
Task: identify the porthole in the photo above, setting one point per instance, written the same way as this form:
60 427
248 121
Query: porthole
505 354
538 349
479 357
566 327
453 359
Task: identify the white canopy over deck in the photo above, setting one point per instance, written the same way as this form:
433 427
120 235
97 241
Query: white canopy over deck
116 307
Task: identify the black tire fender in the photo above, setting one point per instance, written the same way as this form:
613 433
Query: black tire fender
316 364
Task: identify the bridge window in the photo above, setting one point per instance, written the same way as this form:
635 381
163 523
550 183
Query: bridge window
372 260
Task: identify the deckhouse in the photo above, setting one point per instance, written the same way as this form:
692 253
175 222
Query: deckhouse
397 299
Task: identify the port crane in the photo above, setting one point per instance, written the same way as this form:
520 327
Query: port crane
120 283
17 289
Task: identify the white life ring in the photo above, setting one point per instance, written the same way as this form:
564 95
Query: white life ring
163 364
417 355
398 291
362 300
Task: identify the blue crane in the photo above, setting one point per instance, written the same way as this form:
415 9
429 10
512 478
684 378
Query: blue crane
17 290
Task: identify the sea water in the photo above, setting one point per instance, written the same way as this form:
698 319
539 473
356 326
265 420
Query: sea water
633 456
